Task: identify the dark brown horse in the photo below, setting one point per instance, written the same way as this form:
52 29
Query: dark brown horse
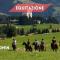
13 46
27 47
54 45
42 47
39 47
36 46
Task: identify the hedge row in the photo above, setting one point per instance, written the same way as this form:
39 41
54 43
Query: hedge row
10 30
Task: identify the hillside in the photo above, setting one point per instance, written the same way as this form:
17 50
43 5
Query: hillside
5 6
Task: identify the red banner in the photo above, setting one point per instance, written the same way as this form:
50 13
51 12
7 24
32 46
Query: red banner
30 8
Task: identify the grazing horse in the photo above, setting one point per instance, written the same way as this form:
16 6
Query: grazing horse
27 47
36 46
54 45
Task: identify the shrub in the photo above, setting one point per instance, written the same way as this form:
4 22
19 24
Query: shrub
22 31
9 30
45 31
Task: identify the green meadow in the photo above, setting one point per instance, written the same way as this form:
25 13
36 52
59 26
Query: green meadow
21 54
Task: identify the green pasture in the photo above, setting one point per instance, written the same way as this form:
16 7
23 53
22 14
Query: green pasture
20 53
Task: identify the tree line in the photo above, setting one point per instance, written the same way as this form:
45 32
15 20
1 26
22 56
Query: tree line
24 20
11 30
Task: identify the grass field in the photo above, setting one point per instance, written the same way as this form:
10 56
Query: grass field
20 54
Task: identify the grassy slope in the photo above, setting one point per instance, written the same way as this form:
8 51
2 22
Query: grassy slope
21 55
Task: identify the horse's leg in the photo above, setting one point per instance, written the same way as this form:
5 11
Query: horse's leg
14 47
26 49
31 49
54 49
35 48
43 48
39 48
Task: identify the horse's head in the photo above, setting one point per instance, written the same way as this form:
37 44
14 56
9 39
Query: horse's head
33 43
24 43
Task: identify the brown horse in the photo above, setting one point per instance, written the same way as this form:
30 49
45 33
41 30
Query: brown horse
39 47
13 46
42 47
27 47
54 45
36 46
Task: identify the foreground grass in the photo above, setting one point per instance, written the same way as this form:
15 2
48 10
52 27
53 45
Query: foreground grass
20 54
